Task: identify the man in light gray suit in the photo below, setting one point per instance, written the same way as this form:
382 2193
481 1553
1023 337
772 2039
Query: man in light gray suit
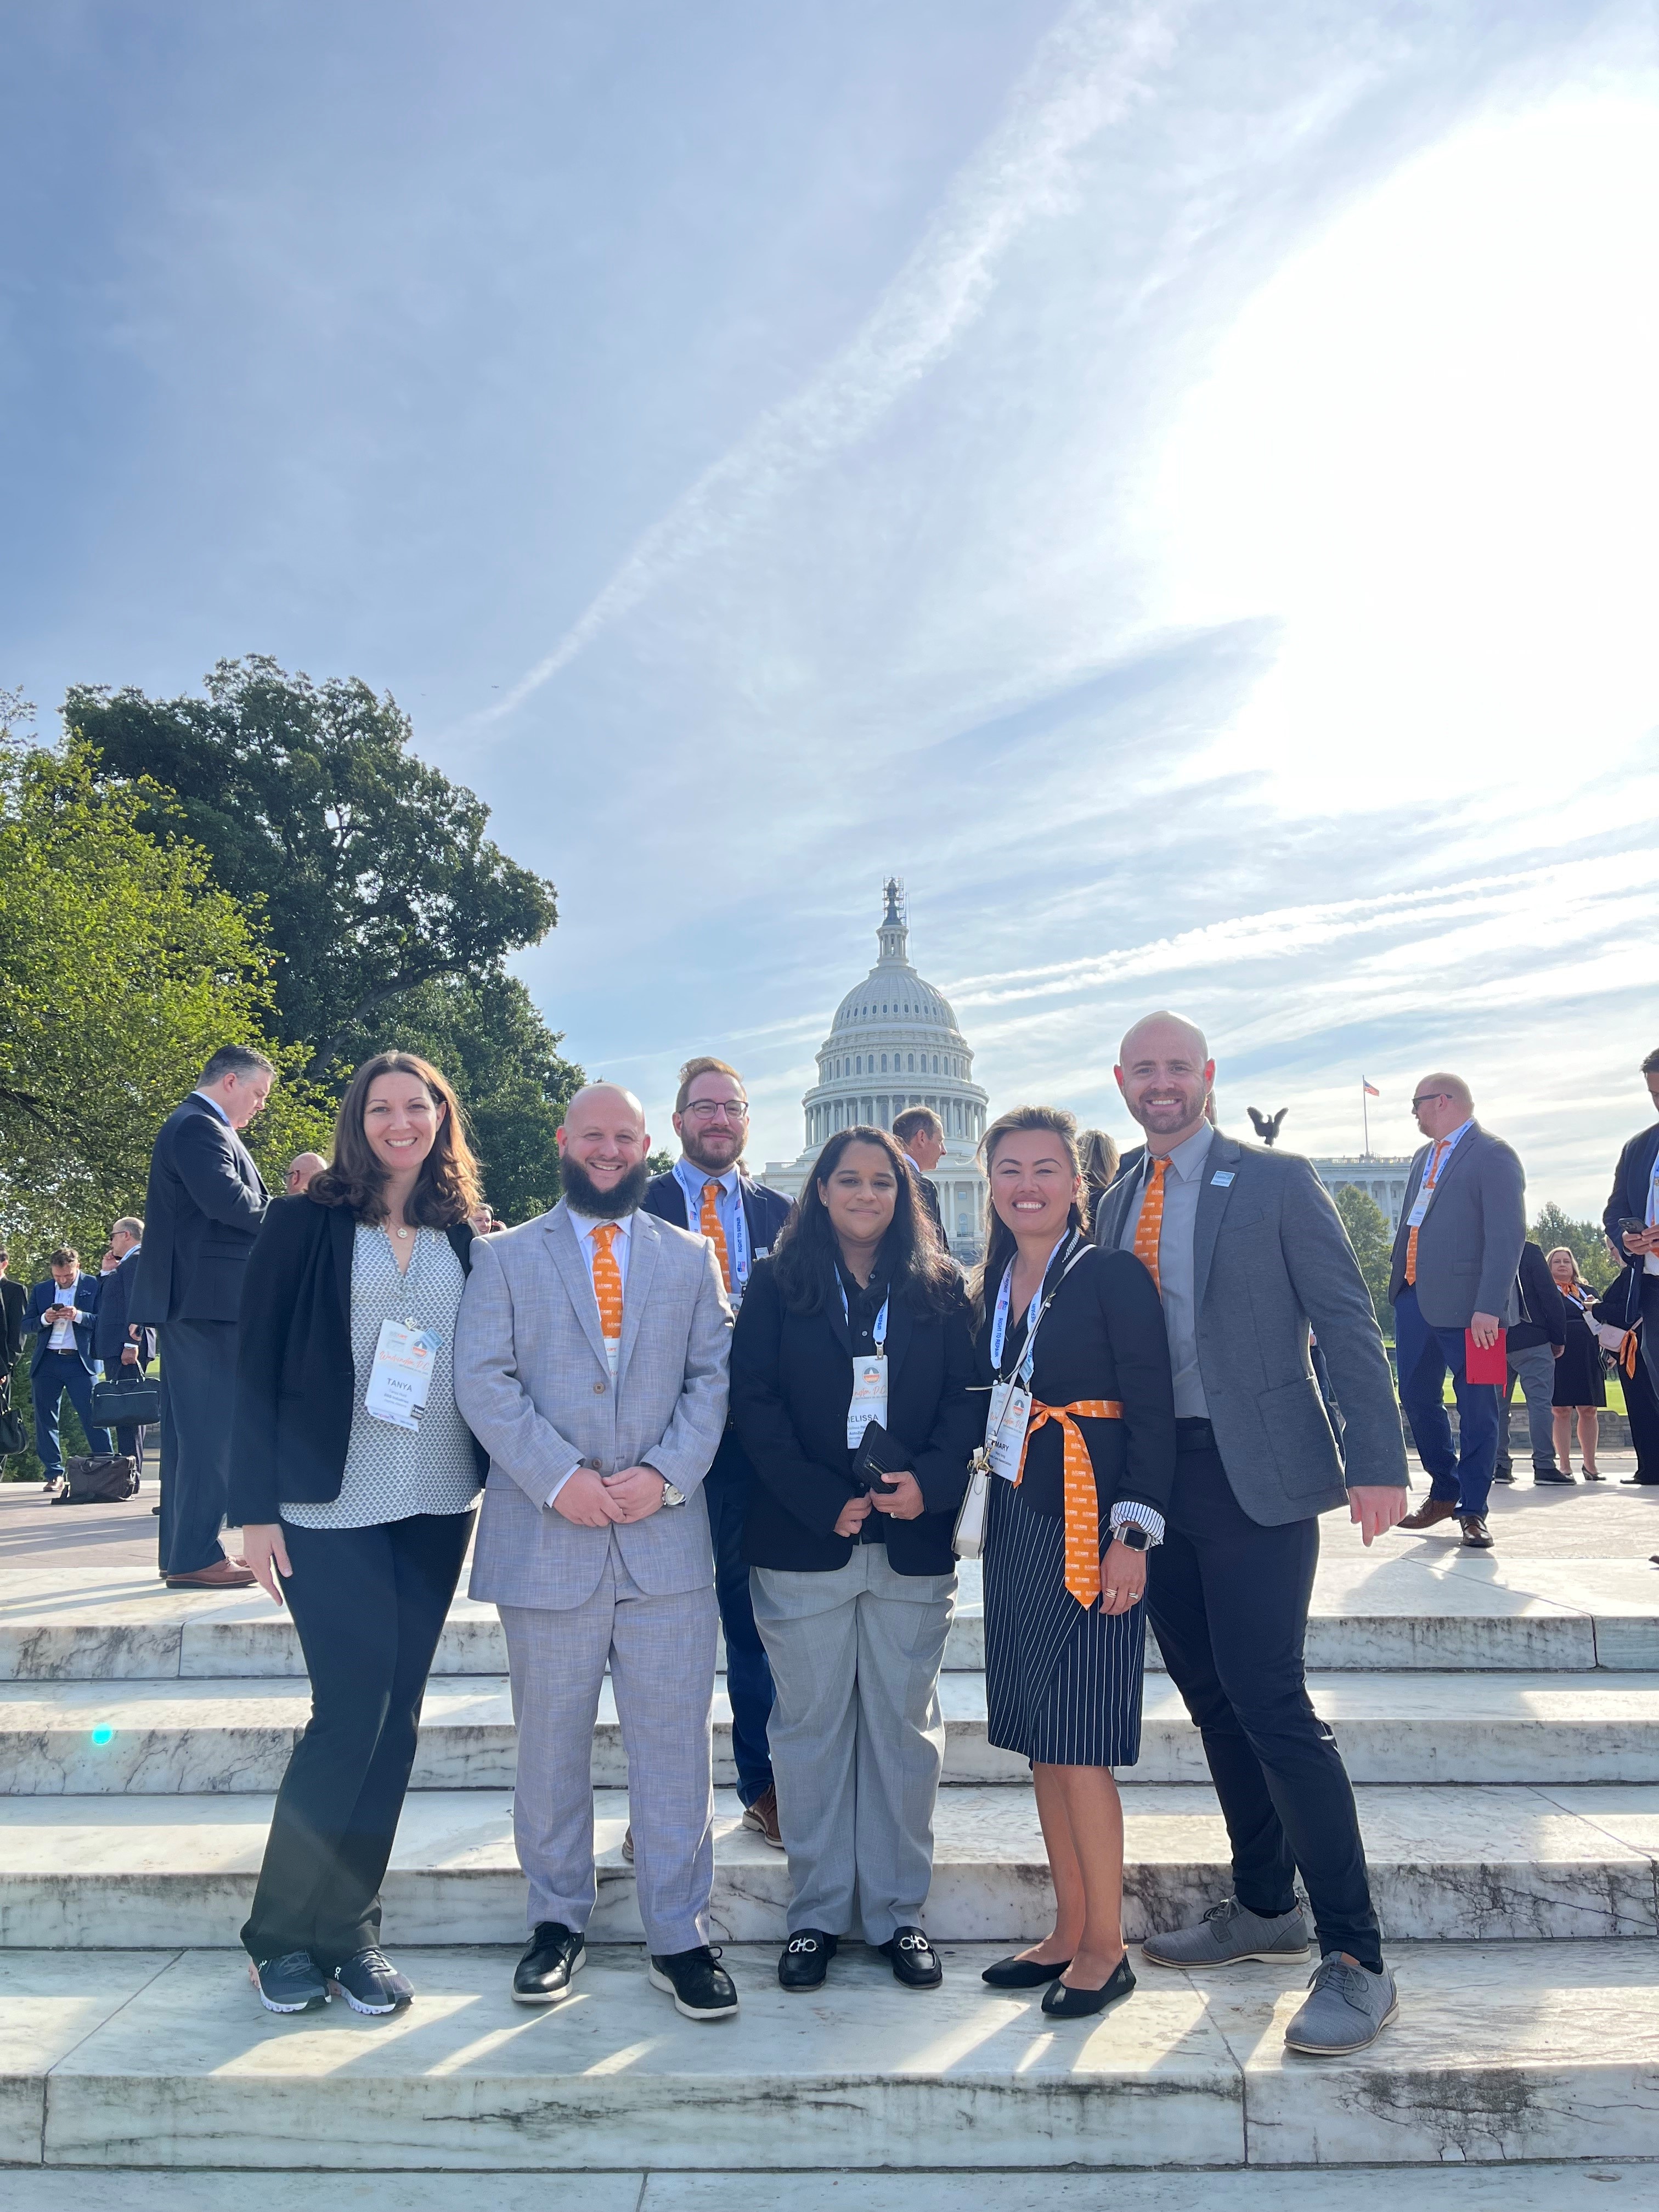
590 1361
1456 1256
1247 1251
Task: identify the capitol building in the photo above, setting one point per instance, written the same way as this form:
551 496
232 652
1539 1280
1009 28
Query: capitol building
894 1042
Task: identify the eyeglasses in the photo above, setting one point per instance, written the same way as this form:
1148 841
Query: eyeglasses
710 1110
1429 1098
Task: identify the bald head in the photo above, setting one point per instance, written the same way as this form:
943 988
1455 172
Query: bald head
302 1169
604 1151
1164 1071
605 1099
1442 1103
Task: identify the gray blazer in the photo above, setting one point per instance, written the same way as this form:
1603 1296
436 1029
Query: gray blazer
1270 1256
533 1386
1468 1249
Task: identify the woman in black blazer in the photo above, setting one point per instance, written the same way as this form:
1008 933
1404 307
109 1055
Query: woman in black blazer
355 1503
859 1313
1078 1488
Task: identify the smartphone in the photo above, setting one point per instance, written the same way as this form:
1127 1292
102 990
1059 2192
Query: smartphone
1632 1228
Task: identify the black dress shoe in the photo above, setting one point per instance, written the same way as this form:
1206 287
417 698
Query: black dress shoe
1553 1474
1023 1973
1064 2002
556 1956
805 1959
699 1986
913 1959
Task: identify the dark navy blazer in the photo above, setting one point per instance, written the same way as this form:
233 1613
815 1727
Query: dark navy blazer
83 1297
202 1214
1631 1181
764 1211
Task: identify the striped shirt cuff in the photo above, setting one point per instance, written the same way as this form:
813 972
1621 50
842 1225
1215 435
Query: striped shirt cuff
1143 1517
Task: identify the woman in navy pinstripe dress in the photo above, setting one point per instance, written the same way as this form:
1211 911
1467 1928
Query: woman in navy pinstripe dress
1080 1332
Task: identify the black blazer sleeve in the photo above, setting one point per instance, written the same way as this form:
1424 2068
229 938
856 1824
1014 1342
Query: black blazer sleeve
813 1492
205 1160
276 1274
941 1466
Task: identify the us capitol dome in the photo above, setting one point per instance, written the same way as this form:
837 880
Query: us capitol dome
894 1042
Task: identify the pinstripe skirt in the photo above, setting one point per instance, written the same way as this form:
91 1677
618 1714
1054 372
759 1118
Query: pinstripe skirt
1062 1685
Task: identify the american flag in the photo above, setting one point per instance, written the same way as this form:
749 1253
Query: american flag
1372 1090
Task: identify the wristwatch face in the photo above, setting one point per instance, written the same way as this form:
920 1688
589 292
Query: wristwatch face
670 1495
1134 1536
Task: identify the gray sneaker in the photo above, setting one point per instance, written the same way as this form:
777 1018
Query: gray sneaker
1345 2008
1228 1932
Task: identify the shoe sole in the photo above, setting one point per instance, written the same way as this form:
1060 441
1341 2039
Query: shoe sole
369 2011
757 1828
1347 2051
311 2004
689 2012
552 1997
1233 1959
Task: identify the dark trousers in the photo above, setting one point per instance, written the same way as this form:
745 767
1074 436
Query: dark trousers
369 1605
129 1435
58 1372
748 1671
1650 1327
1459 1474
1641 1406
198 1382
1228 1601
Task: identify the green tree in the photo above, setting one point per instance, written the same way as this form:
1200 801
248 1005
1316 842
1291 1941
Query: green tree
1368 1232
504 1061
375 875
1585 1240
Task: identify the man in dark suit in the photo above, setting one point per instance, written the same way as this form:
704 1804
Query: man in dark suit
707 1191
206 1203
1636 1198
920 1136
1249 1253
61 1312
122 1352
1456 1255
1531 1347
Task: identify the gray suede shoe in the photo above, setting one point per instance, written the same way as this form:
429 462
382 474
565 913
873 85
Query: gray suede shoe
1228 1932
1347 2007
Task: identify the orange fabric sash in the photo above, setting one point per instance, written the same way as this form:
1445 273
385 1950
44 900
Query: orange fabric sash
1082 1500
1626 1355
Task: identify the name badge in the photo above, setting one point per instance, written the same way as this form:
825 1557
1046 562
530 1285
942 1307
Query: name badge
1221 1178
869 1398
401 1375
1414 1218
1005 1425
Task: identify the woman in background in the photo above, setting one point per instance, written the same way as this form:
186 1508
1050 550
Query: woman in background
1579 1381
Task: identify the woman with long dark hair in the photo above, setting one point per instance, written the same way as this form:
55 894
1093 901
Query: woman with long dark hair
1081 1437
353 1477
851 1343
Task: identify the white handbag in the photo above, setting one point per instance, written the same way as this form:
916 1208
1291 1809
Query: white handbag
967 1538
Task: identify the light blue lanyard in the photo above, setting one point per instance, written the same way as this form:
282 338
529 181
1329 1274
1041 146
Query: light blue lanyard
737 1234
1000 1323
879 1332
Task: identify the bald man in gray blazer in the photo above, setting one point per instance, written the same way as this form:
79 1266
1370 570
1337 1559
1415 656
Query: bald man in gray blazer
591 1362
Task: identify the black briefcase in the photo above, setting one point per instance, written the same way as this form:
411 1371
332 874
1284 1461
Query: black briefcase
119 1405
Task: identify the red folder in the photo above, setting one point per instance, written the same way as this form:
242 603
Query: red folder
1480 1366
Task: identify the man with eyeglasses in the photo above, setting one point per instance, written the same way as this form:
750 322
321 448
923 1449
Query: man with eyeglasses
707 1191
1456 1253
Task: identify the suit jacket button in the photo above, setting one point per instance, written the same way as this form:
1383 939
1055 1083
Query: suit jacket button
599 1390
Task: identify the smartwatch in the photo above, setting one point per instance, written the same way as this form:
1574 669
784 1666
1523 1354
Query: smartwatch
1132 1534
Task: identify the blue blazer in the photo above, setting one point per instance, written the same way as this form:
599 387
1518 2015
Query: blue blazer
83 1297
202 1213
1631 1181
765 1211
109 1335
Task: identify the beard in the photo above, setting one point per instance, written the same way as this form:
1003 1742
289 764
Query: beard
714 1151
584 1194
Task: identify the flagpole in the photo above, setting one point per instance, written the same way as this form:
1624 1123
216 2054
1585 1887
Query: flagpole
1365 1115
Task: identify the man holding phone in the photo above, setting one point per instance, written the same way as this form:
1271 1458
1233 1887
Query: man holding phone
60 1311
1632 1219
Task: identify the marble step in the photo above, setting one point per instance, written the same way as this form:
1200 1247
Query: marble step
1451 1610
1501 2053
1447 1863
80 1739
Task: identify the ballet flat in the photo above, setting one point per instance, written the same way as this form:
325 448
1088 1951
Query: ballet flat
1023 1973
1064 2002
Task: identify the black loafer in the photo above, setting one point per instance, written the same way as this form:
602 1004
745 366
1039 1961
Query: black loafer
699 1986
805 1959
1023 1973
555 1956
913 1959
1064 2002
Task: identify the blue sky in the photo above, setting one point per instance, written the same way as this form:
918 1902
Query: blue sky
1176 482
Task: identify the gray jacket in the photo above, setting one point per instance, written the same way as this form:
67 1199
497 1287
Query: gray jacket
1468 1248
534 1386
1270 1256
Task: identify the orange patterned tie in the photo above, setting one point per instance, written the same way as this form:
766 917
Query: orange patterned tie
1081 1497
1431 1178
607 1282
1149 1226
708 1221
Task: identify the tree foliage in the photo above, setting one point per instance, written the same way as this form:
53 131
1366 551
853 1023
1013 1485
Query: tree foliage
123 966
1368 1232
1585 1240
376 876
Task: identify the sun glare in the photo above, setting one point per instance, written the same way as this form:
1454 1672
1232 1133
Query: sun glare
1428 449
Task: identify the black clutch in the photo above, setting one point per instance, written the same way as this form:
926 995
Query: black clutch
879 1455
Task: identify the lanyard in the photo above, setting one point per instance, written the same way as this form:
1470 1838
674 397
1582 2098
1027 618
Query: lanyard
879 1332
737 1236
999 1319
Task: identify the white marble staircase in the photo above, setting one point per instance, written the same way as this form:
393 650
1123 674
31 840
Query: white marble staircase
1500 1714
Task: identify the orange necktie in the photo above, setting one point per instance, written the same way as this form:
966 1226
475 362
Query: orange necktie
1431 1178
607 1281
1081 1497
708 1221
1148 1229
